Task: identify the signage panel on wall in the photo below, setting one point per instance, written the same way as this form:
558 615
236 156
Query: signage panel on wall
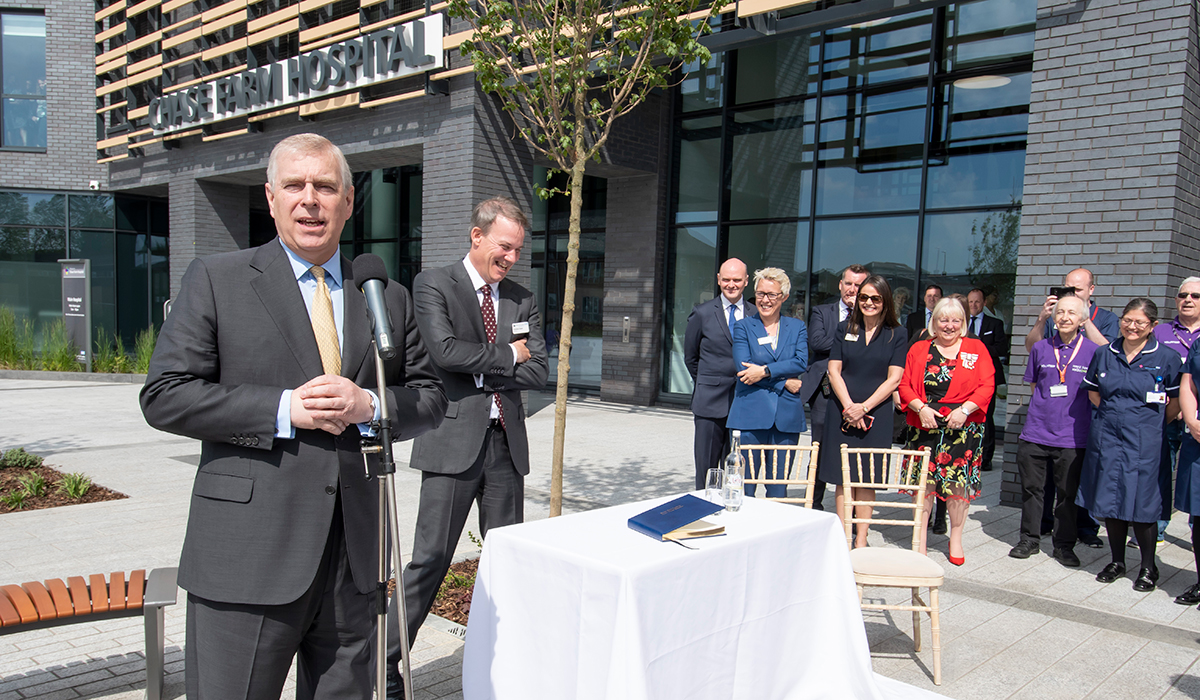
393 52
77 307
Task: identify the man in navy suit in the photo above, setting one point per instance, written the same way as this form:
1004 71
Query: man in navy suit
919 319
991 331
708 354
822 327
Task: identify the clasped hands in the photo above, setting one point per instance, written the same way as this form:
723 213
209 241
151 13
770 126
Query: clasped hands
754 374
929 421
330 403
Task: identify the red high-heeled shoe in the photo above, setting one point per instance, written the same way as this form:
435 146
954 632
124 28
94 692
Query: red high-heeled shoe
957 561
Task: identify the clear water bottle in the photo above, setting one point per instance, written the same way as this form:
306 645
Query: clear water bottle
735 469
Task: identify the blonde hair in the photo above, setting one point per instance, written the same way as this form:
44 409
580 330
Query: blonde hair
776 275
948 307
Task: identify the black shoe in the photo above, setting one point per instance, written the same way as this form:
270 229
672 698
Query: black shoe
1111 573
1025 549
1066 556
939 527
395 684
986 467
1145 580
1189 597
1091 539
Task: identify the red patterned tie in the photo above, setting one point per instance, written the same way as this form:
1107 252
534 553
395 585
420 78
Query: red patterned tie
489 325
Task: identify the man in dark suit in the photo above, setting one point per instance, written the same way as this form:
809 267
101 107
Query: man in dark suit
919 319
822 328
990 330
265 357
484 333
708 355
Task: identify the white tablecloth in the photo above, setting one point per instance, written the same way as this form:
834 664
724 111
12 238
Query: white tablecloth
583 607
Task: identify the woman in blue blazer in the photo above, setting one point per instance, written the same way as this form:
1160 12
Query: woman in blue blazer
771 352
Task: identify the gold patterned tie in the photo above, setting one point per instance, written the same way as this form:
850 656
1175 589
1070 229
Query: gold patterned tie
324 327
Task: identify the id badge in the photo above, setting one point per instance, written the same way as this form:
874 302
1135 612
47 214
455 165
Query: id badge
520 327
764 341
1058 390
1156 397
851 337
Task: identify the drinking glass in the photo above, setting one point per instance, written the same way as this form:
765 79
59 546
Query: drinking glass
713 483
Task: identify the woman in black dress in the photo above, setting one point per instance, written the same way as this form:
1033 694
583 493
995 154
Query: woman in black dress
865 366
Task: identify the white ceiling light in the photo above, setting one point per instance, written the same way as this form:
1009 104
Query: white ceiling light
982 82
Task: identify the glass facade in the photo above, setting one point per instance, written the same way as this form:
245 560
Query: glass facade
124 237
547 250
23 69
899 145
386 220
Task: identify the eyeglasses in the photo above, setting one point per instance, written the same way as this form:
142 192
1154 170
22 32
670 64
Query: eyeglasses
1185 295
770 296
1136 325
873 298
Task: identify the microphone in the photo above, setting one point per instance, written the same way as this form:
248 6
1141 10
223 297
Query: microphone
370 276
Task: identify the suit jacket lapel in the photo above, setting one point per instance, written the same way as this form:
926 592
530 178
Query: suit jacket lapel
280 295
356 324
722 317
467 298
506 314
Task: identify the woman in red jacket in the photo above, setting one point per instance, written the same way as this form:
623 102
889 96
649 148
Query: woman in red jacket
946 387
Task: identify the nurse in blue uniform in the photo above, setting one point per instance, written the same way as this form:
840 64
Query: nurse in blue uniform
1133 382
1187 485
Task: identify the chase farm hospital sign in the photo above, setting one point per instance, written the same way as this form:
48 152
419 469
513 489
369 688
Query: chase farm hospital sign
386 54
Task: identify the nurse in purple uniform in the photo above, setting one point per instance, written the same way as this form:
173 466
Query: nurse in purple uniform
1178 334
1056 431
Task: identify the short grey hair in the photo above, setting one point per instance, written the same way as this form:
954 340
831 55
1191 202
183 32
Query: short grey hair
307 144
776 275
948 307
484 214
1187 280
1075 300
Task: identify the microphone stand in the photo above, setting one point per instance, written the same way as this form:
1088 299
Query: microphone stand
388 525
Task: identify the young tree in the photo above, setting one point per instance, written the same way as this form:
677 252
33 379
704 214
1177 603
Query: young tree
565 70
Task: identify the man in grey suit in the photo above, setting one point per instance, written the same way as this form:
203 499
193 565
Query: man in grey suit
265 358
708 354
822 328
485 336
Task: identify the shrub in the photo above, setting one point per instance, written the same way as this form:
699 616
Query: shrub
18 458
33 484
110 353
143 348
58 350
8 338
25 355
14 499
75 486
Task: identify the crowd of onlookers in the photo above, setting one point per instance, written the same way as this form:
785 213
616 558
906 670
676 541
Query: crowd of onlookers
1113 405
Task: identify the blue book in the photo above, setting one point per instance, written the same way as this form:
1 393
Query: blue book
679 519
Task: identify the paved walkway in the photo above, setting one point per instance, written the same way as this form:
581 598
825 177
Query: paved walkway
1011 628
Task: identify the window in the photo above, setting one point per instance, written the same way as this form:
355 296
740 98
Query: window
23 66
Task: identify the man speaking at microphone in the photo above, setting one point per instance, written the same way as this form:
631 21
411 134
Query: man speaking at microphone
266 358
485 336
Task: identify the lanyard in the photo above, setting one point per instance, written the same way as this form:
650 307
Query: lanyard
1095 310
1062 369
1185 343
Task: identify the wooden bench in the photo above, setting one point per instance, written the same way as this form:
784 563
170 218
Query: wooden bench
34 605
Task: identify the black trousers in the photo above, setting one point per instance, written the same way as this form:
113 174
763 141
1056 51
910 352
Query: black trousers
817 413
244 651
1034 463
989 434
711 446
491 481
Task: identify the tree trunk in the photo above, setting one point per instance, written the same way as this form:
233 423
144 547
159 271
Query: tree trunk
564 339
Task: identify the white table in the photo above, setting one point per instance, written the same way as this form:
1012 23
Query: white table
583 607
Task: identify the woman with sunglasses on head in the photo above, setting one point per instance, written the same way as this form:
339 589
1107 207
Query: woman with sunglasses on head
865 365
947 384
1133 382
770 352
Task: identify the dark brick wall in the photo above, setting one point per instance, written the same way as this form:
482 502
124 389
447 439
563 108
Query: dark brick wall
1111 168
69 162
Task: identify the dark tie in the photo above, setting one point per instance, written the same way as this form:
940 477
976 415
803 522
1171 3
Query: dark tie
975 325
732 317
489 326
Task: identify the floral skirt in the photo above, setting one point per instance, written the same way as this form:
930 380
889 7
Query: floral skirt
954 460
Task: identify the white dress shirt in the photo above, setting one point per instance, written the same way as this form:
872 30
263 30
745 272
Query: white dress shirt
477 284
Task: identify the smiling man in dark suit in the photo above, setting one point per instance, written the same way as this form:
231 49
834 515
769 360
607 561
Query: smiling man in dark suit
265 357
484 333
822 327
991 331
708 355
